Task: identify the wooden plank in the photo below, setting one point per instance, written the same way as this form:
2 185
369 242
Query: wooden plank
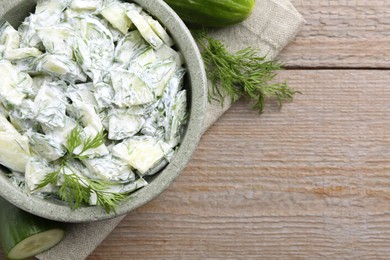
342 33
309 182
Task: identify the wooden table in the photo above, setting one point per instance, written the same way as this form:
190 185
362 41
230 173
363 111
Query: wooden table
309 182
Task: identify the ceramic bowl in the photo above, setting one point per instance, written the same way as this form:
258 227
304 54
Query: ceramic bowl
15 11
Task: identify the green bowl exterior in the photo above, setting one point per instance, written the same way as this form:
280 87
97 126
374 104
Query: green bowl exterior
14 11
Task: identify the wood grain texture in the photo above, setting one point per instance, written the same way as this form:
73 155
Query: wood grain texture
342 34
309 182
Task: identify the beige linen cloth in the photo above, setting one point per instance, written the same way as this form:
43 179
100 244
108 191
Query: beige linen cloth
273 24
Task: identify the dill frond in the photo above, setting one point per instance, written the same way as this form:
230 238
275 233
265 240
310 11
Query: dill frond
244 72
75 140
77 190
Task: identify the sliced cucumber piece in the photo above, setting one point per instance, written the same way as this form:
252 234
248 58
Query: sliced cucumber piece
50 104
14 151
60 133
94 51
36 244
28 34
158 29
87 114
129 89
167 53
58 39
118 130
115 13
60 66
104 95
82 92
9 79
21 53
48 12
157 75
144 28
6 126
141 153
36 171
24 235
85 5
145 59
110 168
177 117
22 117
128 47
25 84
132 186
46 146
53 65
9 37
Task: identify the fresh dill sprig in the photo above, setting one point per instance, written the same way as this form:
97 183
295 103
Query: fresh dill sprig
108 200
241 73
75 140
77 191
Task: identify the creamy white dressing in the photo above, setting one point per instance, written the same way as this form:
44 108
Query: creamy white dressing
102 67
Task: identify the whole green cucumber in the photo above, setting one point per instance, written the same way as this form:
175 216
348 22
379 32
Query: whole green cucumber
212 13
24 235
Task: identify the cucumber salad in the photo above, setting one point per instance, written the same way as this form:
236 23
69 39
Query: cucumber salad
91 101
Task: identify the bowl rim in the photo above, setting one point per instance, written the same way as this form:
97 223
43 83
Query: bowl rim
198 100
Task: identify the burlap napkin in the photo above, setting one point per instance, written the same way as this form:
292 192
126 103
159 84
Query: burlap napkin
273 24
